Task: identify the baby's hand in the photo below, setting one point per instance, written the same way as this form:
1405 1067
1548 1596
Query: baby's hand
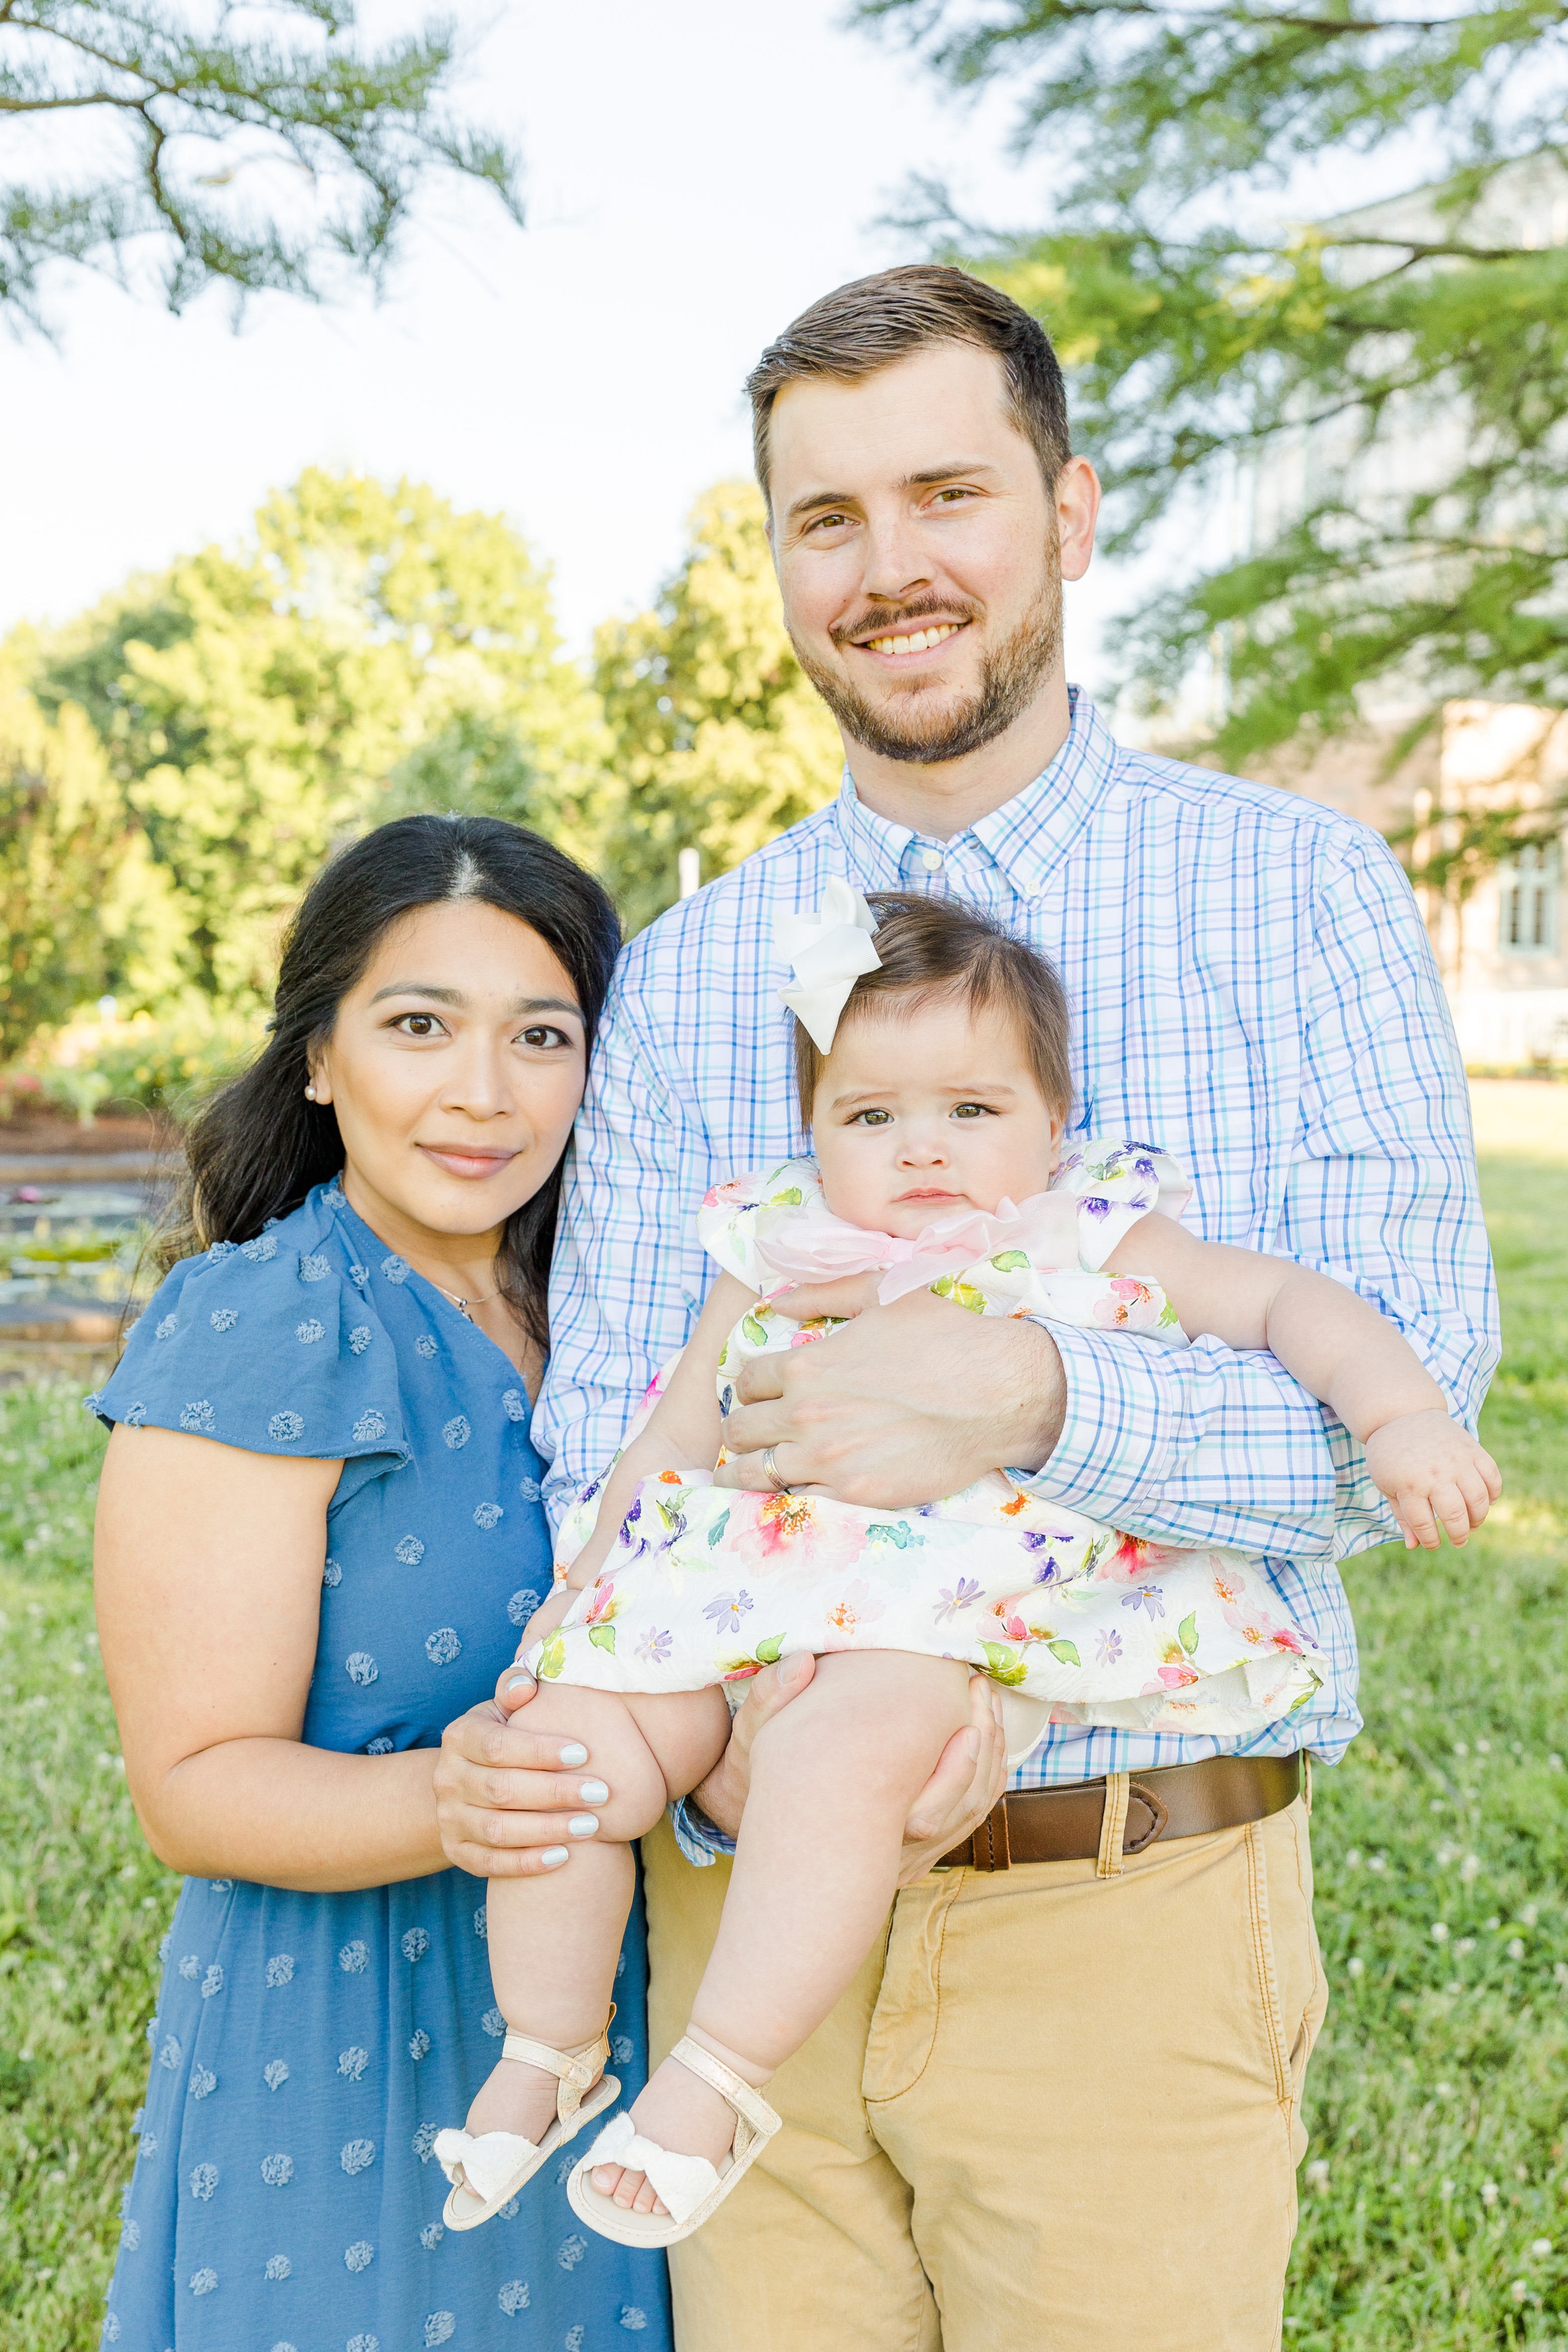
1431 1469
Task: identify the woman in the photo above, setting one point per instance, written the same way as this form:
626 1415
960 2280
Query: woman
318 1526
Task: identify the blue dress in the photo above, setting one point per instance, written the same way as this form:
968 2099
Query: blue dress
307 2048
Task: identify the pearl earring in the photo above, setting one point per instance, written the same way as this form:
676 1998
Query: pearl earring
311 1094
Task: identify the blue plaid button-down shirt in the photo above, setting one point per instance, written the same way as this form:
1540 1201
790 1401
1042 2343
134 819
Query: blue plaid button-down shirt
1251 988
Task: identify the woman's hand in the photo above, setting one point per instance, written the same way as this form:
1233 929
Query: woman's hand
971 1774
503 1798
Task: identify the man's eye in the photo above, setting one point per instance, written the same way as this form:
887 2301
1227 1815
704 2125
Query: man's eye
827 522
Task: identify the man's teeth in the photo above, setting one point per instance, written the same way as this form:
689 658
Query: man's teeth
921 642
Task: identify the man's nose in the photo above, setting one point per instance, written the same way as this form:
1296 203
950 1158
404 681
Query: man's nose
897 568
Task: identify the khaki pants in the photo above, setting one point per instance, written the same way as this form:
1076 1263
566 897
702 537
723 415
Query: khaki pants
1058 2112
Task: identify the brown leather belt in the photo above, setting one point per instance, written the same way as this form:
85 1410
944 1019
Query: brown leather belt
1177 1800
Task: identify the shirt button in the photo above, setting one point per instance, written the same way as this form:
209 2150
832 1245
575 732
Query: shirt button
931 860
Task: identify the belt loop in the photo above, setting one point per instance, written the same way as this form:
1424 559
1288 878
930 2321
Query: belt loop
1307 1779
1113 1823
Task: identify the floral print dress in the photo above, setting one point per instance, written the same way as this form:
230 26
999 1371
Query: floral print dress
1077 1622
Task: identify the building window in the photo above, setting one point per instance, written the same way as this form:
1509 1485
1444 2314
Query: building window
1527 901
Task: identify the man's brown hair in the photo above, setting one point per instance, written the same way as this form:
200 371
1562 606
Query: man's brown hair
866 325
940 947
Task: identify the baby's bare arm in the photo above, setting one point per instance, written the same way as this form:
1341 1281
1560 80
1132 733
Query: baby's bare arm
1336 1345
684 1431
1343 1353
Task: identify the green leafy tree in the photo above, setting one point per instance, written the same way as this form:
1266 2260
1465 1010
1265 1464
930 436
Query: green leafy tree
1391 385
717 741
258 707
63 828
277 157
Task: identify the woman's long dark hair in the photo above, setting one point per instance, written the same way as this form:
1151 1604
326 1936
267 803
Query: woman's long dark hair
258 1147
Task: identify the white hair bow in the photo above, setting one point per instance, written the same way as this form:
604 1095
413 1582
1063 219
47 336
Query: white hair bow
829 951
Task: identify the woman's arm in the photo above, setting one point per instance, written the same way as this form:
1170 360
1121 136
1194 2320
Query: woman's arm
208 1574
1343 1351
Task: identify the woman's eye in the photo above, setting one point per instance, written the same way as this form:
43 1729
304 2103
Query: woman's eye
418 1025
541 1037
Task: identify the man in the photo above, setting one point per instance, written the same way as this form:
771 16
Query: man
1061 2105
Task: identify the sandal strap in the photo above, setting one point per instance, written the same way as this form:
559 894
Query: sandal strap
577 2070
742 2096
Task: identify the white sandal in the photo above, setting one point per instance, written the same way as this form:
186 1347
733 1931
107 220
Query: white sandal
690 2186
488 2171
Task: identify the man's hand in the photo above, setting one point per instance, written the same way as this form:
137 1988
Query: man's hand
907 1403
971 1774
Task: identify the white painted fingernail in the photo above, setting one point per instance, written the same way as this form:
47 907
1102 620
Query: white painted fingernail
594 1792
583 1824
573 1753
553 1856
521 1681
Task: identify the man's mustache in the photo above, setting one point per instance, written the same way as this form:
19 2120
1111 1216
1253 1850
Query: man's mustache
889 620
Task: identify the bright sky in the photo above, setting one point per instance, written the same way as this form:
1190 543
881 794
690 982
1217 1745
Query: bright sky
696 174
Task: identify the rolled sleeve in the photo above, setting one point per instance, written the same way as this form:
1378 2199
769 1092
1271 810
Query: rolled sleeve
1192 1446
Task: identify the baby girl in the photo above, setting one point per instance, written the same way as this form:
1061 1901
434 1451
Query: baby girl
931 1052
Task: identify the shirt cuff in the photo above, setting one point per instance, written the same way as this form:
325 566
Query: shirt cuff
1118 1434
698 1839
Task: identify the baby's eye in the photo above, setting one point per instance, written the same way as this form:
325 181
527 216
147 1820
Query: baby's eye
971 1110
874 1118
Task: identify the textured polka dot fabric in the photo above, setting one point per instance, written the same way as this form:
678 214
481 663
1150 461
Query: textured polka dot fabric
307 2048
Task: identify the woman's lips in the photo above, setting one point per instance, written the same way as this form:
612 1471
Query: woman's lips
469 1164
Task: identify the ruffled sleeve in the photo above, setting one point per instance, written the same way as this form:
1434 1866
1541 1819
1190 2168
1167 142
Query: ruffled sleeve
273 1345
726 1222
1115 1184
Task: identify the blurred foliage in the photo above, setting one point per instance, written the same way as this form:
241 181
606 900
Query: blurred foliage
167 1061
257 707
279 156
177 764
717 742
1396 386
62 845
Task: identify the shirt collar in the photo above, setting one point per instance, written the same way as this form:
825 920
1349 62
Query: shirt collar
1026 839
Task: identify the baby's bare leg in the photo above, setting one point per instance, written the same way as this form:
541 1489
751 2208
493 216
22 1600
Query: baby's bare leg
832 1779
554 1940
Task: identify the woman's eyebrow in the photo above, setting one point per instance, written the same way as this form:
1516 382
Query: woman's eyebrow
458 998
421 988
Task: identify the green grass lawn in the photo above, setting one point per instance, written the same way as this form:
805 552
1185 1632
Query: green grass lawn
1434 2202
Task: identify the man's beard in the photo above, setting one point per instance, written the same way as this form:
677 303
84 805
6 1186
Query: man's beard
1011 676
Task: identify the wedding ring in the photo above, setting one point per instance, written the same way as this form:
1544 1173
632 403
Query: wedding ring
771 1467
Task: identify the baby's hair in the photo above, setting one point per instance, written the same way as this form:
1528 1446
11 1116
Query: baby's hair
939 947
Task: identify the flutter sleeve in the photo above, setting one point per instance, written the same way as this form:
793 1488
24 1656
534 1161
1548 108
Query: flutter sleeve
272 1346
1115 1184
727 1220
